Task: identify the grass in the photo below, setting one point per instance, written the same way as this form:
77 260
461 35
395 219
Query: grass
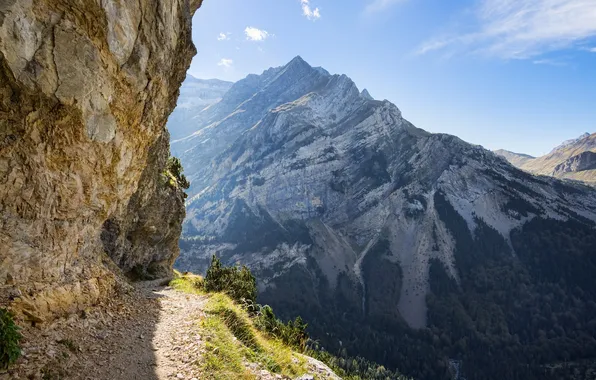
232 340
187 283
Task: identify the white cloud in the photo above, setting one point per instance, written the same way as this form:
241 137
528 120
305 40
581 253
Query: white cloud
592 50
379 5
550 62
521 29
225 62
223 36
308 12
254 34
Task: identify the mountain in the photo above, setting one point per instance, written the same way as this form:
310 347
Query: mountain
573 159
195 95
416 250
240 108
571 142
516 159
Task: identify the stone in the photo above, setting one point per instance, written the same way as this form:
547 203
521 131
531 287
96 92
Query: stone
85 91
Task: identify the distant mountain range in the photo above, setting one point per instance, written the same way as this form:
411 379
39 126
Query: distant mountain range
574 159
195 95
416 250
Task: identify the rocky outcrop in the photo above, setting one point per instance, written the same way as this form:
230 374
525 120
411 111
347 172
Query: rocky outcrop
85 90
581 162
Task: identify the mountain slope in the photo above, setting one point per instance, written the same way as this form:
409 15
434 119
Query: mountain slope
516 159
574 155
403 246
195 95
241 107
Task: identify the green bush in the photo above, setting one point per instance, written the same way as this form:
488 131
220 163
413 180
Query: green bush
9 339
241 286
237 282
292 333
174 167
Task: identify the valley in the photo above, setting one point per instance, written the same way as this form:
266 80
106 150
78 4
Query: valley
408 248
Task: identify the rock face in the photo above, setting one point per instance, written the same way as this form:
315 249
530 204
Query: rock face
570 160
373 230
85 91
579 163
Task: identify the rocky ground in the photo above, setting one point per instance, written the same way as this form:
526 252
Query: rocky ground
149 333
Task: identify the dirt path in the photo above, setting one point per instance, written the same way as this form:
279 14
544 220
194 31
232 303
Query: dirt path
150 334
161 345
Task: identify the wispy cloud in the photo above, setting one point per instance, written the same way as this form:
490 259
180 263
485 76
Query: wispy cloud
255 34
550 62
521 29
225 62
308 12
223 36
379 5
591 50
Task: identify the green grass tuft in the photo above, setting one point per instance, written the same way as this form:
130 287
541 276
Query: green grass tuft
188 283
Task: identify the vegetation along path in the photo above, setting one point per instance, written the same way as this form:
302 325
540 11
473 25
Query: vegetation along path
155 332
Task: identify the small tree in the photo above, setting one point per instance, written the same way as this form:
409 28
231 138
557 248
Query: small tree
9 339
175 168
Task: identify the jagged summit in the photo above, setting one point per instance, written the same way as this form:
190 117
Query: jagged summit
365 94
297 61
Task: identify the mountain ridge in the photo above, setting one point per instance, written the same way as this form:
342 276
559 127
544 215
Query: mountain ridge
346 211
570 154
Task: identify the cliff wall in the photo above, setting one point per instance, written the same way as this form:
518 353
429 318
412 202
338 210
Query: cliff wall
86 87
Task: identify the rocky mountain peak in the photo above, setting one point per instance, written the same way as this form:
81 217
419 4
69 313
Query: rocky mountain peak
297 61
569 142
366 95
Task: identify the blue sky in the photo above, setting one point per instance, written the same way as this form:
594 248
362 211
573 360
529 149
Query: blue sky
512 74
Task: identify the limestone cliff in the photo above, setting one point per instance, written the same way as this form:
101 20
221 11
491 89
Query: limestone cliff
86 87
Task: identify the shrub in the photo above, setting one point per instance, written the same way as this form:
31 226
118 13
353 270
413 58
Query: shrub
237 282
293 333
9 339
174 167
241 286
